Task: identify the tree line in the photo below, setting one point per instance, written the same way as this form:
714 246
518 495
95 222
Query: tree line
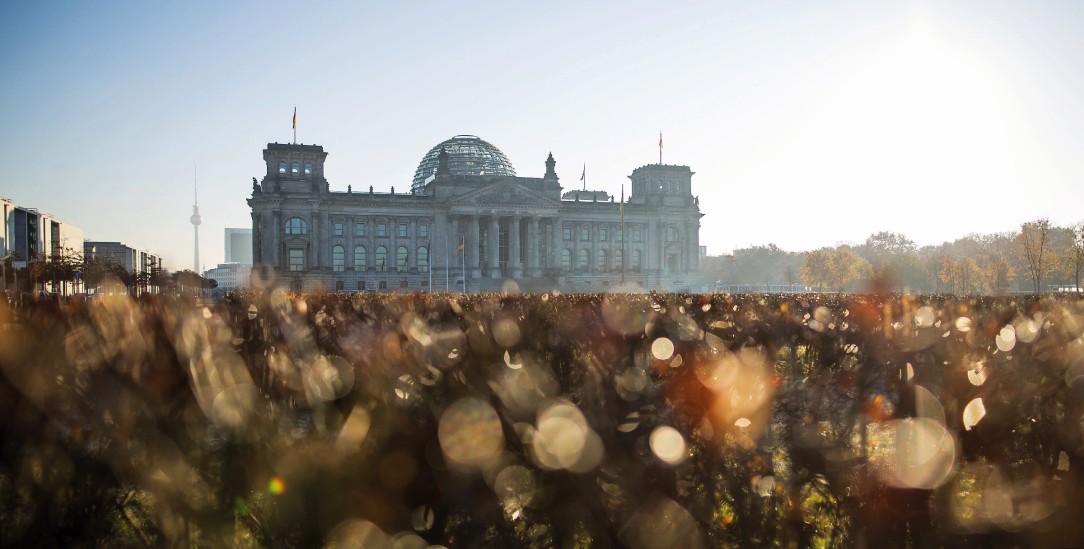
83 274
1039 256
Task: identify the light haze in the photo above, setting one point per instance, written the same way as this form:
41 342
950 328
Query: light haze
807 124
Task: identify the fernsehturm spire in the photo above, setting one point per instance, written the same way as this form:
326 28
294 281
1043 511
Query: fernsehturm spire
196 220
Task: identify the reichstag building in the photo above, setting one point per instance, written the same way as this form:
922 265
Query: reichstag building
468 222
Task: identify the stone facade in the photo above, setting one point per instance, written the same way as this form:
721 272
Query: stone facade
472 232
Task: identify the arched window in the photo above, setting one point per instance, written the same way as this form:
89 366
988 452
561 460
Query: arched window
296 225
582 263
295 167
359 258
401 259
381 258
338 259
618 256
566 259
600 260
636 260
308 168
282 166
423 259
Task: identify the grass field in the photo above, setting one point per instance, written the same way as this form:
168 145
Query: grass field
544 420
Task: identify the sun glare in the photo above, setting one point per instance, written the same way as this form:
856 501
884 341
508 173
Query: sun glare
921 108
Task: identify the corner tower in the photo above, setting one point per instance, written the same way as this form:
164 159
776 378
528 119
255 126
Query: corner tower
294 168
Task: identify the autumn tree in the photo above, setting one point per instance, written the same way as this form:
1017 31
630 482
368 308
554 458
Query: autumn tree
1071 254
833 268
816 268
1032 245
994 262
761 265
961 275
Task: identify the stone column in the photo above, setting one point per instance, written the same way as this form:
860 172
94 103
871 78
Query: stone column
453 263
555 249
494 247
694 243
532 247
472 239
514 263
653 246
592 262
412 244
313 261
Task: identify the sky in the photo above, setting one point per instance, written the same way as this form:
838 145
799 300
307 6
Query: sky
807 124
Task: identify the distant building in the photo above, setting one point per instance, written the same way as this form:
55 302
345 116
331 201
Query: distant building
467 221
230 276
29 234
239 246
137 262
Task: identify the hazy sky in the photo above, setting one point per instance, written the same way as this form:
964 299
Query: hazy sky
807 124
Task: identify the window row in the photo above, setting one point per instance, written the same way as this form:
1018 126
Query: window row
298 226
295 167
603 233
381 262
583 260
363 285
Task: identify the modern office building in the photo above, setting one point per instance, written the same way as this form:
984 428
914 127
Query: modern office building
29 234
230 276
133 260
238 246
467 221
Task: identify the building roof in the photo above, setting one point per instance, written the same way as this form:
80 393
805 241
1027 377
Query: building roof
467 155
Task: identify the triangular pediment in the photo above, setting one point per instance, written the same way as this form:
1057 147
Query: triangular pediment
504 193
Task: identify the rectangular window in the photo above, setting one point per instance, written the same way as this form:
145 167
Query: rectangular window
585 234
568 233
359 229
637 235
381 229
338 229
671 234
338 285
361 285
619 236
402 229
403 283
383 284
423 230
297 259
603 234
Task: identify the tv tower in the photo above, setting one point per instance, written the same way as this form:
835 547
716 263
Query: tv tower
196 220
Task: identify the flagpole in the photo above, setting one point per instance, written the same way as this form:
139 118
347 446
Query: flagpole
295 125
660 147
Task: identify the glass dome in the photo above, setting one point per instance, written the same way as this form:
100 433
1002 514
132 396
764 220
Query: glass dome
467 155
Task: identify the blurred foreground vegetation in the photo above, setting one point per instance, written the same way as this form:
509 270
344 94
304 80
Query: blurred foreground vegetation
543 420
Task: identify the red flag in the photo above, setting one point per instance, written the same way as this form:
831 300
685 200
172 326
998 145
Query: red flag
295 122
